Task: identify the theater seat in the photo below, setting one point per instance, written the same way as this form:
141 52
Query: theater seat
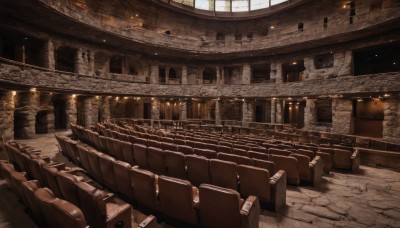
67 214
221 207
44 198
66 183
28 190
257 182
290 166
223 174
155 159
175 164
50 174
107 172
239 160
268 165
144 188
99 211
177 199
198 169
140 155
205 153
127 153
274 151
121 173
169 146
187 150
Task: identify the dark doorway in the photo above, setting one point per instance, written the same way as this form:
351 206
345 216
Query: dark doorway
19 122
259 113
368 117
41 122
147 111
60 114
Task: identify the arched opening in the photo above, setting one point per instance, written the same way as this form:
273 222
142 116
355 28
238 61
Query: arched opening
65 59
209 75
60 114
41 122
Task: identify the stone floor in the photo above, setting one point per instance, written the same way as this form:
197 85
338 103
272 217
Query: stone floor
368 198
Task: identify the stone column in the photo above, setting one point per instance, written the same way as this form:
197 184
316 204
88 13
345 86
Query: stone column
344 61
278 113
247 112
310 113
48 55
391 121
273 110
7 106
26 111
104 108
71 110
90 112
155 109
184 75
183 110
167 75
309 73
342 116
218 117
276 72
154 74
246 74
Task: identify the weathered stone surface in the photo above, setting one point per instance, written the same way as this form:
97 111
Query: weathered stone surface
321 212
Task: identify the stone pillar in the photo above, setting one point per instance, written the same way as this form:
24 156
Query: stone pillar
48 55
273 110
246 74
91 111
184 75
154 74
183 110
310 113
218 117
391 121
71 110
26 111
342 116
104 108
309 73
155 109
276 72
344 61
84 62
7 106
247 112
278 113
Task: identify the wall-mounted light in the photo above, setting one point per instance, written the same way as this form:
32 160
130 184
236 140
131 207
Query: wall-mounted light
294 63
168 103
14 93
97 97
125 98
117 98
360 100
386 95
73 95
33 90
272 27
152 98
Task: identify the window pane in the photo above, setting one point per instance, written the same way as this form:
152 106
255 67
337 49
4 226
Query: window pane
259 4
205 4
240 5
185 2
223 5
275 2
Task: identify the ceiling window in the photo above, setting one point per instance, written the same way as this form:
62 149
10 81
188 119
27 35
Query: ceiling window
223 5
205 4
185 2
276 2
259 4
240 5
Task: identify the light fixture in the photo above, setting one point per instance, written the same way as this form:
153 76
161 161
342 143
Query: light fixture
25 38
243 99
14 93
152 98
33 90
290 98
97 97
168 103
272 27
137 15
155 53
360 100
394 63
274 98
125 98
294 63
117 98
104 40
386 95
376 55
73 95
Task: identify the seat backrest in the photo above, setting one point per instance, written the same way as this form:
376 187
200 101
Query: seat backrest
144 187
72 150
275 151
289 165
153 143
44 198
224 149
155 159
121 173
268 165
219 207
140 155
176 199
83 160
16 180
199 145
67 214
36 168
141 140
205 153
254 181
258 155
190 143
110 146
342 159
240 152
92 204
210 146
50 174
107 172
241 146
198 169
185 149
117 149
28 189
94 170
175 164
127 152
180 141
304 166
310 154
169 146
103 143
259 149
223 174
66 183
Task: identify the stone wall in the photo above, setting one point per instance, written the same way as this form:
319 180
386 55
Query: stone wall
342 116
248 112
391 122
310 114
71 111
7 115
104 109
342 66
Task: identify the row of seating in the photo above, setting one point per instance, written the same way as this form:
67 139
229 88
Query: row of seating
97 206
297 166
174 198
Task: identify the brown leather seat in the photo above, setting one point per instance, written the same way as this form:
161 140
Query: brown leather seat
84 162
198 169
240 152
117 149
67 214
257 182
259 149
16 180
223 174
342 159
224 149
127 152
187 150
28 190
98 211
103 143
241 146
72 150
290 166
36 168
44 198
140 155
153 143
258 155
180 141
199 145
175 164
240 160
169 146
110 146
177 199
190 143
209 146
274 151
66 183
310 154
205 153
107 172
141 140
121 173
155 159
268 165
221 207
144 188
94 170
50 174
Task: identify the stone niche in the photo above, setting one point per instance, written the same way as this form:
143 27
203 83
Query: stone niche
342 116
329 65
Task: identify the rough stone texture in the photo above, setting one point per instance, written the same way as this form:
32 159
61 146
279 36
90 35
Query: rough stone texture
246 74
278 113
7 115
184 76
154 74
391 122
26 108
48 55
91 111
155 109
342 116
71 110
218 114
247 109
104 108
310 113
273 110
183 110
342 66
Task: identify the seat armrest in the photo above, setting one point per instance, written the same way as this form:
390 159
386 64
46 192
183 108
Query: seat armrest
250 212
59 166
149 222
317 170
120 217
355 160
278 190
109 198
327 160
